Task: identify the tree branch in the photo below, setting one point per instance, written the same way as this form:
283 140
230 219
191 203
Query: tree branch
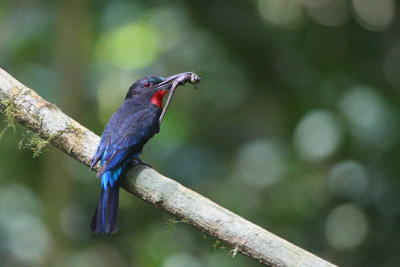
53 125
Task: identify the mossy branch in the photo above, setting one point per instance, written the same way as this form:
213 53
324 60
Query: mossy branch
48 121
8 110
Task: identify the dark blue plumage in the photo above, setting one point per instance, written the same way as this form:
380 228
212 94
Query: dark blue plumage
129 128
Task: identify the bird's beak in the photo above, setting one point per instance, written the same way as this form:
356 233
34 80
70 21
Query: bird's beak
163 86
179 79
166 84
168 81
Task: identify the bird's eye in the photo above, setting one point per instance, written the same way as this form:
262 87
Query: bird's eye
146 84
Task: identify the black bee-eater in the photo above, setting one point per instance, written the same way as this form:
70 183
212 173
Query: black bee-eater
129 128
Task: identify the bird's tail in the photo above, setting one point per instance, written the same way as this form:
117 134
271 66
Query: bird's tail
105 219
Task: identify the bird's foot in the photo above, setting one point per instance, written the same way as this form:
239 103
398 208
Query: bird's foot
137 161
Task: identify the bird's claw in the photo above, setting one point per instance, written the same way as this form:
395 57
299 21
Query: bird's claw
136 162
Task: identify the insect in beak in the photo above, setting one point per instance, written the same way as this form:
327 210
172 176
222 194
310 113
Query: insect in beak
177 80
181 79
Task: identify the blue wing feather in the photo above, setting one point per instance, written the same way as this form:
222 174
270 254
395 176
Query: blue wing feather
117 154
104 141
127 131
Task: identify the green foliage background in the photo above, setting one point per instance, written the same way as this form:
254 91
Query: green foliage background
295 126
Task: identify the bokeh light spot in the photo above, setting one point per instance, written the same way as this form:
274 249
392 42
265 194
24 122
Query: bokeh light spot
318 135
284 13
373 14
27 237
131 46
348 179
261 163
370 118
346 227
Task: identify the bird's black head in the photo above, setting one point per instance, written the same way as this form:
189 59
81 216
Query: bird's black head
146 89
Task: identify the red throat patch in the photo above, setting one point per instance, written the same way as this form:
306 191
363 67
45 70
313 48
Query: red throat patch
157 98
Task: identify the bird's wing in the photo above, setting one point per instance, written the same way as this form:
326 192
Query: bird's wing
127 132
104 142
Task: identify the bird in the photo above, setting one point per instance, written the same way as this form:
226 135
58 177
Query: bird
122 141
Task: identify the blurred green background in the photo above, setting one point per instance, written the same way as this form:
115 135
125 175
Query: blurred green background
295 126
